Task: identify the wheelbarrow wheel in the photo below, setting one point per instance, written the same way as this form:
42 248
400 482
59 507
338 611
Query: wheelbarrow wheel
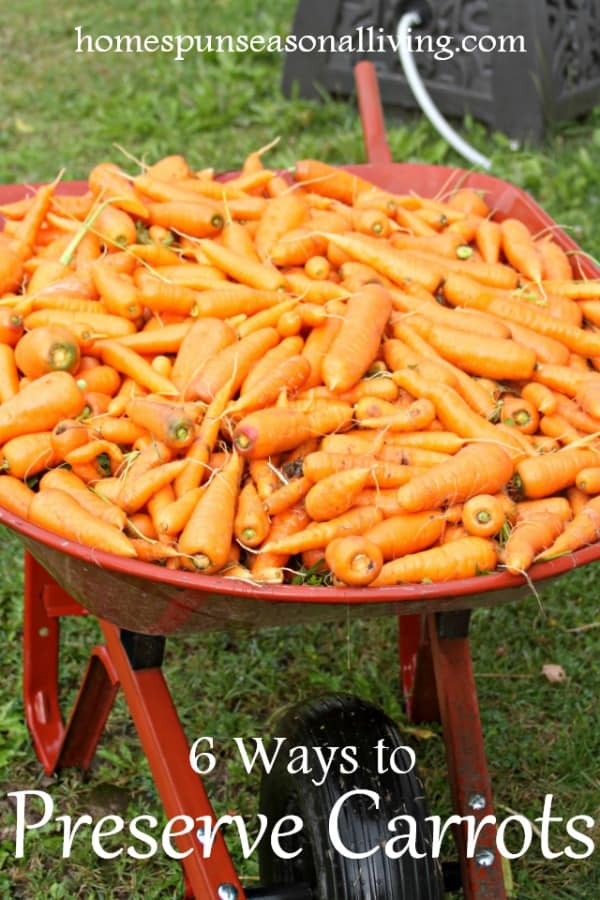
344 721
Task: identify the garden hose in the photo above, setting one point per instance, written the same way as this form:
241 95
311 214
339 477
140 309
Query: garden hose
421 95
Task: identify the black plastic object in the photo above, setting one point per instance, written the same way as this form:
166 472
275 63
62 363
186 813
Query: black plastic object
342 720
558 77
280 892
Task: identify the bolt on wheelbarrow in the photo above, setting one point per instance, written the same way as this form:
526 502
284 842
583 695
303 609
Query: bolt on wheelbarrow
139 605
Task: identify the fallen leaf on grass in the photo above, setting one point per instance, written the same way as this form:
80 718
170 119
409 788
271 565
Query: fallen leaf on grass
554 673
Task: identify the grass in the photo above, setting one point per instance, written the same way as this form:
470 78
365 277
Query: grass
59 109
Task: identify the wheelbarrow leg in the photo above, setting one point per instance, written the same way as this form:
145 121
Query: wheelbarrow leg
58 745
470 784
416 670
163 740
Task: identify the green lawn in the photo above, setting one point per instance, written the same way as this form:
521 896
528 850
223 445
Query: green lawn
59 109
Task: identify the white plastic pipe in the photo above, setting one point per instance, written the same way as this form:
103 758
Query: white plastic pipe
423 99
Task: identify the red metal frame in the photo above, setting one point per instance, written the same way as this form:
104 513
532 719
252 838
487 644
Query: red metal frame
438 681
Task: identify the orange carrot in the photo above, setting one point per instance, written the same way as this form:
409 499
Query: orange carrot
287 495
356 344
11 326
118 293
135 493
163 421
548 474
519 413
476 469
546 349
540 396
9 376
172 516
108 180
462 558
27 454
130 363
488 239
329 181
58 512
520 249
66 436
588 480
483 515
40 405
232 363
320 534
529 537
353 560
97 325
251 524
283 214
64 480
397 265
400 534
15 496
256 275
47 349
199 453
583 530
267 567
334 494
208 534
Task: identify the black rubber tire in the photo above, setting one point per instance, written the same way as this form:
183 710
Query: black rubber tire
343 720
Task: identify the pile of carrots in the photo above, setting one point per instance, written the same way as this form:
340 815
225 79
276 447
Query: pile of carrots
280 376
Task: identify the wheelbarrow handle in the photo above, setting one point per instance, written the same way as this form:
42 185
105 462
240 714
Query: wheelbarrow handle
371 113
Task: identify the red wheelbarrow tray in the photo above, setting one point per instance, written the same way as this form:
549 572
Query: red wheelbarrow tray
147 598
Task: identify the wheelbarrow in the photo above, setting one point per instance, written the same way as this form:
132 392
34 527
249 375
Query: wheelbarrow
139 605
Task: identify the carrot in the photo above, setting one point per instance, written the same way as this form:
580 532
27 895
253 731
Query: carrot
256 275
232 363
135 493
199 453
287 495
459 291
102 379
47 349
118 293
576 499
463 319
478 354
11 270
40 405
320 534
251 524
520 250
28 228
283 214
576 416
399 266
317 267
519 413
86 458
419 415
334 494
558 506
400 534
546 349
573 289
588 480
329 181
130 363
108 180
266 318
97 325
208 534
548 474
476 469
563 379
488 239
290 374
356 344
483 515
583 530
172 515
27 454
267 567
469 201
64 480
11 326
163 421
115 228
15 496
58 512
353 560
200 341
271 430
382 473
529 537
66 436
588 395
155 254
9 376
462 558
